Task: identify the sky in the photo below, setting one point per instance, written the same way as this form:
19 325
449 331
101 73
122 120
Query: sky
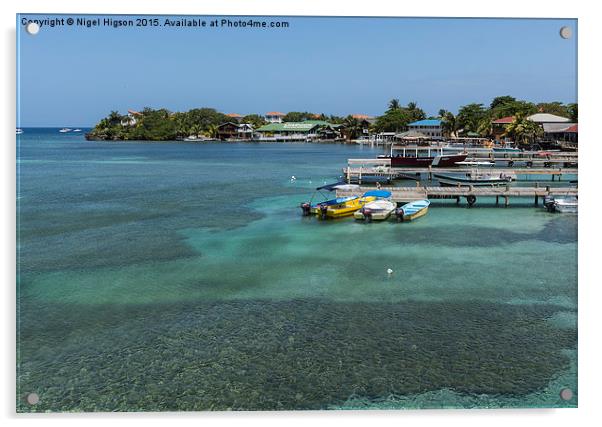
75 75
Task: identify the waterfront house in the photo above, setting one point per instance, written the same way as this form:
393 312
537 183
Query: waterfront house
307 130
274 117
234 131
429 127
131 118
560 132
499 126
556 128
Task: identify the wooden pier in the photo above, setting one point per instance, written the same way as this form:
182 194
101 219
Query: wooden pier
381 167
471 194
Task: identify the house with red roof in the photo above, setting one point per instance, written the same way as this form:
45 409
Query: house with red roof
498 127
274 117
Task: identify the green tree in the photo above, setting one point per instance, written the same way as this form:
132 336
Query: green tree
254 120
573 112
298 116
556 108
415 112
501 100
352 127
394 104
470 116
449 124
524 131
395 120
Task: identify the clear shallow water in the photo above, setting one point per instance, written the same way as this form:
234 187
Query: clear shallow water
163 276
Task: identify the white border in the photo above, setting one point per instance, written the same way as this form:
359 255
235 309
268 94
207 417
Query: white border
590 73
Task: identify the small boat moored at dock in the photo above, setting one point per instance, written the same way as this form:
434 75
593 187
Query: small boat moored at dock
378 210
474 178
412 210
561 204
309 208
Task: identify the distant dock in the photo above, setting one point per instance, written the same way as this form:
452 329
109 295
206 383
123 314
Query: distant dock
358 169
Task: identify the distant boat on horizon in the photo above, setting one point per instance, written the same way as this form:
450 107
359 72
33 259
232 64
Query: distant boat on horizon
19 131
65 130
77 130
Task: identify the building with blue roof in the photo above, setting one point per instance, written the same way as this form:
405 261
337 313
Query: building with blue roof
429 127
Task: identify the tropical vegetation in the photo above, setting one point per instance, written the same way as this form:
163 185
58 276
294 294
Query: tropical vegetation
473 119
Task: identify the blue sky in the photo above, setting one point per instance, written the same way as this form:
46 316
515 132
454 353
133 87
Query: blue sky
73 76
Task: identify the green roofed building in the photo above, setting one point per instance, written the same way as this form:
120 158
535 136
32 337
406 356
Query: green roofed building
298 131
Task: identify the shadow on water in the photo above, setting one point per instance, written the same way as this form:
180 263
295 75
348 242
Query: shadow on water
266 355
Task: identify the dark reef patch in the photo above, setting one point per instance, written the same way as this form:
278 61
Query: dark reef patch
267 355
558 230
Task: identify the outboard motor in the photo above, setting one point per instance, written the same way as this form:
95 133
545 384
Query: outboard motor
399 214
548 202
367 214
305 208
323 210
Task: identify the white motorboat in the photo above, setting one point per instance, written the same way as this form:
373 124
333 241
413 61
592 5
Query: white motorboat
475 179
565 204
19 131
378 210
65 130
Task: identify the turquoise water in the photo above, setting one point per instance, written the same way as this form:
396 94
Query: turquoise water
174 276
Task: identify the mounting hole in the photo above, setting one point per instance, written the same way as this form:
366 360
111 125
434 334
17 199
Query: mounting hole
32 398
566 32
32 28
566 394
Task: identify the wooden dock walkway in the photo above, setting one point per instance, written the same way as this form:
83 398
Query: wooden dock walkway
471 194
355 174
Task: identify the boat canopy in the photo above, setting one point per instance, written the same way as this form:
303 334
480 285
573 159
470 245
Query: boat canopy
331 187
378 193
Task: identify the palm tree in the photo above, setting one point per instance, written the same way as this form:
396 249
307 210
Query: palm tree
449 123
484 127
352 127
394 104
523 131
211 131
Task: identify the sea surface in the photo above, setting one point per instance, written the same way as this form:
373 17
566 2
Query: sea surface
181 276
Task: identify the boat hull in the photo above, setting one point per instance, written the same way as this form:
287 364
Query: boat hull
348 208
444 160
454 181
565 207
413 210
375 211
415 215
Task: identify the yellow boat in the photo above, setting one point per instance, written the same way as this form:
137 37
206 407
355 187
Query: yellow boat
349 207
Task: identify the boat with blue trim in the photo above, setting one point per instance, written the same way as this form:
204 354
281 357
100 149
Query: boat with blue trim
412 210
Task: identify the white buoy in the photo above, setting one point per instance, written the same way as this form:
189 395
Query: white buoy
389 271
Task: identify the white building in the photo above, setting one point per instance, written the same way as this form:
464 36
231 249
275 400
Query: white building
429 127
274 117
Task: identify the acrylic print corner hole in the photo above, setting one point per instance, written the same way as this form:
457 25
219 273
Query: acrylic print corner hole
308 213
